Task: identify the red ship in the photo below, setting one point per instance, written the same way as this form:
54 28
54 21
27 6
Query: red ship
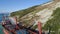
17 28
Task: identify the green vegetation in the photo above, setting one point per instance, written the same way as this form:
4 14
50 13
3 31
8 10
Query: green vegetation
54 23
35 26
21 13
32 9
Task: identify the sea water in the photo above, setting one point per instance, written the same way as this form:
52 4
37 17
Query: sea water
1 30
1 17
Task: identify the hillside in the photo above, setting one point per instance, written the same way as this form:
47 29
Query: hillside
47 14
54 23
24 11
33 9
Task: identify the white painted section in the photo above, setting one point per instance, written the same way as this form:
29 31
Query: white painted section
13 21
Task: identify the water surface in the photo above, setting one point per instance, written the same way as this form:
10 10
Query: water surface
1 30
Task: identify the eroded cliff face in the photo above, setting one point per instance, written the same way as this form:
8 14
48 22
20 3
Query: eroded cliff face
43 15
40 13
46 13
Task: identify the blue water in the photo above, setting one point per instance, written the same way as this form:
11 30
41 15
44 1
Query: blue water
1 30
1 17
3 14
